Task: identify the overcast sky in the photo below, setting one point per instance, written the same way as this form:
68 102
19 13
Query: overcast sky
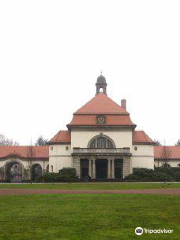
51 53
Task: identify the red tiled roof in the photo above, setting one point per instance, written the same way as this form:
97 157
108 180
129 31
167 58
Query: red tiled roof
141 137
91 120
101 104
173 152
24 151
61 137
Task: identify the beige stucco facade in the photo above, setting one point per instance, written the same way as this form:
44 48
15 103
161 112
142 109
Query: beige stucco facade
121 137
143 156
59 157
63 155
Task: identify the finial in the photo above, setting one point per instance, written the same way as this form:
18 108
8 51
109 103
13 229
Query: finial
101 73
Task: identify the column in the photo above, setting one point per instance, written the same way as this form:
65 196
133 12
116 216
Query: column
76 165
113 168
94 169
109 168
90 170
126 166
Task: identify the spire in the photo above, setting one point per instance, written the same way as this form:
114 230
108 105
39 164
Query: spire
101 84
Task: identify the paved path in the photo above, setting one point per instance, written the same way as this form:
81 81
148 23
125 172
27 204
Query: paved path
167 191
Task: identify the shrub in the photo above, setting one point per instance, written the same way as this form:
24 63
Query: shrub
68 175
177 176
148 175
47 177
168 170
64 175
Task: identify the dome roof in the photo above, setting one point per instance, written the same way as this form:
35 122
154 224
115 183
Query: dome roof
101 79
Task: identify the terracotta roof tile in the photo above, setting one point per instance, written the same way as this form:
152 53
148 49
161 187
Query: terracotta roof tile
141 137
24 151
173 152
101 104
61 137
111 120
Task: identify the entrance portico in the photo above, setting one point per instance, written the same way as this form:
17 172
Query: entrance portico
102 163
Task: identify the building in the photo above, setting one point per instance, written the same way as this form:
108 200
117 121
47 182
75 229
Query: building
100 141
23 163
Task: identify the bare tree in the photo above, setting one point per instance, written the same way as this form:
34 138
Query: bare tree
31 155
178 143
165 156
7 142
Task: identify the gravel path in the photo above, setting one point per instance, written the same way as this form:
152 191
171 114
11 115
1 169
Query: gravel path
167 191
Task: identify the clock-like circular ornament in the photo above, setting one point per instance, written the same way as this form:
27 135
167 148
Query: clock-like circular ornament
101 119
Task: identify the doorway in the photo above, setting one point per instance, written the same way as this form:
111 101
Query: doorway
14 172
101 169
36 171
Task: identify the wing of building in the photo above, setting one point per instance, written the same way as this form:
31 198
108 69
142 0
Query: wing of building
23 163
101 141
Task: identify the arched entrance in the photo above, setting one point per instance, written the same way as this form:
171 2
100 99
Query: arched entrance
36 171
13 172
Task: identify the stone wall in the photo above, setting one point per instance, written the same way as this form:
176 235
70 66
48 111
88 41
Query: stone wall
126 166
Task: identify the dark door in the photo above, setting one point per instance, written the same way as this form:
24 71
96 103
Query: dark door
118 168
84 168
101 169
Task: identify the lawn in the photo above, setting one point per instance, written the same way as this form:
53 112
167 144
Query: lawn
93 186
87 217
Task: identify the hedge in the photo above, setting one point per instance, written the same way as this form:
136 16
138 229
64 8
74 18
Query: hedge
148 175
64 175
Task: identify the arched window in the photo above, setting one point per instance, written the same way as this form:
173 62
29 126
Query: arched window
101 142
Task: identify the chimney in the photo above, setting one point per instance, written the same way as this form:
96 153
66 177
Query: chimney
123 103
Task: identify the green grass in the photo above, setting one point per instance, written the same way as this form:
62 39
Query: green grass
87 217
93 186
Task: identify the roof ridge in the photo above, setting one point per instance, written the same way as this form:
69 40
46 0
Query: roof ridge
146 135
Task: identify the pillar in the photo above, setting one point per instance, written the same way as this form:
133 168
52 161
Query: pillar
76 165
94 169
126 166
109 168
90 166
113 169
